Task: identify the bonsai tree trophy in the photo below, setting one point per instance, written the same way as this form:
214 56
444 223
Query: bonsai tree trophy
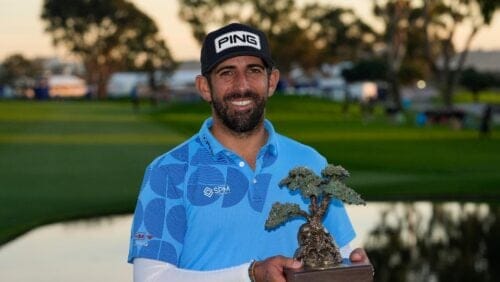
317 248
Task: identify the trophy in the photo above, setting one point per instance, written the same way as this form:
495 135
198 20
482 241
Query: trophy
317 249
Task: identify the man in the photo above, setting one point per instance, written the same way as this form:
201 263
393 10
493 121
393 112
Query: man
202 206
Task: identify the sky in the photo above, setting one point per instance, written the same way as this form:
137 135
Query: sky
22 31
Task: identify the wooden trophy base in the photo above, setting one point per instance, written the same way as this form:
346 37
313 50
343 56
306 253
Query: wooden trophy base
346 271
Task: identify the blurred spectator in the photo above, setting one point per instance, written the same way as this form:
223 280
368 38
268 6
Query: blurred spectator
421 119
41 89
134 97
485 126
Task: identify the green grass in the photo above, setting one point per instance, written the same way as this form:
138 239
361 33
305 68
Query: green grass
486 96
386 160
65 160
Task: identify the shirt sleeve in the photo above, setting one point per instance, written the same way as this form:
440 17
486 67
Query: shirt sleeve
147 270
159 222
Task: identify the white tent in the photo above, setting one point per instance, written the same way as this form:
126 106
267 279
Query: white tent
121 83
64 85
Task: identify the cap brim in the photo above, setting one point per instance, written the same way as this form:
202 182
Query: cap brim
268 61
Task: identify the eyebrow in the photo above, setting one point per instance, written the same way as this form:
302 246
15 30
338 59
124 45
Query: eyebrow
256 65
231 67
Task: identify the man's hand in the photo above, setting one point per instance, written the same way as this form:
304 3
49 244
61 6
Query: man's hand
359 255
271 269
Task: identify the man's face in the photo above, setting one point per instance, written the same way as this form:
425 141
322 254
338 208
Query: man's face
239 88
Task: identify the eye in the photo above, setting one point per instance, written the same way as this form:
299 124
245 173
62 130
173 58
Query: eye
226 73
256 70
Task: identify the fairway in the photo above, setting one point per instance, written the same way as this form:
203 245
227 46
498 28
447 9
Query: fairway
62 160
387 161
65 160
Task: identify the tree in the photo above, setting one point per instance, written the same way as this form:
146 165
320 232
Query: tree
16 67
476 81
20 72
414 65
395 15
278 19
442 18
108 36
339 33
306 37
419 40
316 246
366 69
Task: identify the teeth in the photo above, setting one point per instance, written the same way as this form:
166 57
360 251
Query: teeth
241 103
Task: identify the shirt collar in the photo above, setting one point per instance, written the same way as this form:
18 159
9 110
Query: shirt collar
215 147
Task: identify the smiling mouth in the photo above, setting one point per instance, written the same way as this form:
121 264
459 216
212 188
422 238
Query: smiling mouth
241 102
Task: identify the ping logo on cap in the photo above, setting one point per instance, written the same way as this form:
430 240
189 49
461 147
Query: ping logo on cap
236 39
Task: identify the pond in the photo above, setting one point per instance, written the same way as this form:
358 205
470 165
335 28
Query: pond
87 250
418 241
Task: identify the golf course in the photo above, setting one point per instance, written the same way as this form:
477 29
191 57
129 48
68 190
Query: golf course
63 160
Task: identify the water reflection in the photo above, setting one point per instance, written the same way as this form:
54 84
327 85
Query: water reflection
417 241
440 242
89 250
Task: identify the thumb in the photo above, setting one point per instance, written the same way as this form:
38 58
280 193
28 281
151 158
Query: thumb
355 256
292 263
359 255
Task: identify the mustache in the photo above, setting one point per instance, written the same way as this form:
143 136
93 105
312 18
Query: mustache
240 95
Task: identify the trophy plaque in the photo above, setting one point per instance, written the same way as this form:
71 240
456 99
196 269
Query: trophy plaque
346 271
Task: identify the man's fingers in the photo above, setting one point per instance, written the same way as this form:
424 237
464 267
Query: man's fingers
271 269
292 263
286 262
356 257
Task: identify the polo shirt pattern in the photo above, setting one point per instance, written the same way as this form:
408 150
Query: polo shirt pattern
202 207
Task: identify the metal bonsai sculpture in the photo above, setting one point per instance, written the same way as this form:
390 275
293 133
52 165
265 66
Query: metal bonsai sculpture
317 248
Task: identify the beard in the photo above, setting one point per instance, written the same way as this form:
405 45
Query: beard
240 122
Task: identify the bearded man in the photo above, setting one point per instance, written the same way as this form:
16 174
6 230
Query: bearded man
202 206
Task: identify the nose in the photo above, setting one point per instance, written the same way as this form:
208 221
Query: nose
242 83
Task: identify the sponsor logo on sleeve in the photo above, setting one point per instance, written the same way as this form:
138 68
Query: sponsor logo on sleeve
142 239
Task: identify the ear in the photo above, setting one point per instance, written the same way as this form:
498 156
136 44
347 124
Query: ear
274 78
203 88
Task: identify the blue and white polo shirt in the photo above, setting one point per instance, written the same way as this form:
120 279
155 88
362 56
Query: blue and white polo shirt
202 207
